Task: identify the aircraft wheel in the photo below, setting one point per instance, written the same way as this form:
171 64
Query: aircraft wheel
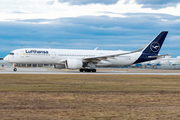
81 70
93 70
87 70
15 69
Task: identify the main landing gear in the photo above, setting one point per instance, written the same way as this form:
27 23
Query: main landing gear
87 70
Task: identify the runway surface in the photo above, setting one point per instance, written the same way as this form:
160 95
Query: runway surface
99 71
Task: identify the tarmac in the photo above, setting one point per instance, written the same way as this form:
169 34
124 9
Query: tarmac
38 70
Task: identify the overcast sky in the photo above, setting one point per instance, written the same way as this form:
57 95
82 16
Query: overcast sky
87 24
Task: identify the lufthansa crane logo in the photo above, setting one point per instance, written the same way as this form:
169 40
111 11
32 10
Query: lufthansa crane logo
155 47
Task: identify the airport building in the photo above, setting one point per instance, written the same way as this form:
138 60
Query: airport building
5 64
164 63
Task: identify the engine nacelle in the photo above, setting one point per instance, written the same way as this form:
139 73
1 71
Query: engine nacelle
59 66
73 64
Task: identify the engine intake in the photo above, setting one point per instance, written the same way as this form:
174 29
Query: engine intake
74 64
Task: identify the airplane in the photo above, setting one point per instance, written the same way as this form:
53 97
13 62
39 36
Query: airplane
87 60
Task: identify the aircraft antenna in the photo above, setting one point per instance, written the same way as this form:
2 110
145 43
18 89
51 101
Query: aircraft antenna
22 46
49 44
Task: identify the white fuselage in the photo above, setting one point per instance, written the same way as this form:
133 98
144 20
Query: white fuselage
55 56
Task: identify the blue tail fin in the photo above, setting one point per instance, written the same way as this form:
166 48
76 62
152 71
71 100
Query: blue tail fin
151 51
155 46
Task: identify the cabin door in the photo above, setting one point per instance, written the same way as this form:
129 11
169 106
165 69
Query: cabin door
22 54
53 55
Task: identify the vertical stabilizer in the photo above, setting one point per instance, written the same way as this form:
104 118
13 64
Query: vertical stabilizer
155 46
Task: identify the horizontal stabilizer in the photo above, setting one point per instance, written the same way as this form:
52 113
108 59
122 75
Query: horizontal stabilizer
159 56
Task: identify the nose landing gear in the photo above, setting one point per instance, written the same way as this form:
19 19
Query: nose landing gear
14 65
15 69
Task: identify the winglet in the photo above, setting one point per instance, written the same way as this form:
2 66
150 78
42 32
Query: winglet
96 48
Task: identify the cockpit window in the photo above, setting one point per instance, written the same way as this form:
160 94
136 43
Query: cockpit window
11 53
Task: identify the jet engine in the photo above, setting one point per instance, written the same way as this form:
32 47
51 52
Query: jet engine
73 64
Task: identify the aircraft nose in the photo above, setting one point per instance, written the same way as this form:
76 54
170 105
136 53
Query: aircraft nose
6 59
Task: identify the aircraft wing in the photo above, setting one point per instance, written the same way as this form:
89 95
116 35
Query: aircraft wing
104 57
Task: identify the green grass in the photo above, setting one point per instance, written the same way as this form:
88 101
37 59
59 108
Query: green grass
88 83
90 97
